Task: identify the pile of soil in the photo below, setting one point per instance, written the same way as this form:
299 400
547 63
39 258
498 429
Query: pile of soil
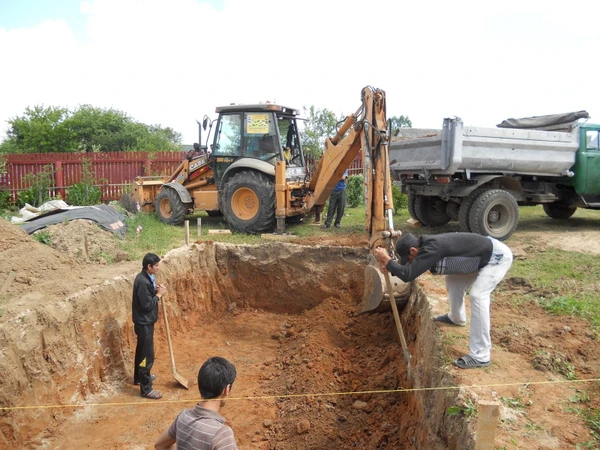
102 245
43 273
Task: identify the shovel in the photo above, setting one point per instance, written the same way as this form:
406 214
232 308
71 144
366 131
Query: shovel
181 380
409 371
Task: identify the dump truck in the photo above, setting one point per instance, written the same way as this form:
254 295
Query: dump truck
480 176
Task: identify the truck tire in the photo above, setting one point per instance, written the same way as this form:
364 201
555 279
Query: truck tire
248 202
452 209
465 210
558 210
431 210
411 206
494 213
169 207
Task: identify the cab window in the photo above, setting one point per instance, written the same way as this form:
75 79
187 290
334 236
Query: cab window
227 139
592 139
289 141
261 136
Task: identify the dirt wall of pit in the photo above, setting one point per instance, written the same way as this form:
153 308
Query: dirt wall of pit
64 352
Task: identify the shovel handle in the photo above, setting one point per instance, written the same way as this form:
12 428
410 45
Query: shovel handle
164 307
388 282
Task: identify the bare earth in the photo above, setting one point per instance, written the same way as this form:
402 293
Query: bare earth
298 354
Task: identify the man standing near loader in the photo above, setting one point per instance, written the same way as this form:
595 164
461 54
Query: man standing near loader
337 203
144 309
469 261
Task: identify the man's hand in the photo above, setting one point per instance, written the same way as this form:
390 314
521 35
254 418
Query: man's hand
161 289
382 257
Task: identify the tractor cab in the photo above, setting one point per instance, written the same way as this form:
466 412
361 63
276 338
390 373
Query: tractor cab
261 135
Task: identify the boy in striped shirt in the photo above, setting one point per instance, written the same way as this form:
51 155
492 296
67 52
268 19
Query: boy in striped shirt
202 427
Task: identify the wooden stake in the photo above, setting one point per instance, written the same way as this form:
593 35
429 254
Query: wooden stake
7 283
199 226
219 231
187 232
85 247
487 418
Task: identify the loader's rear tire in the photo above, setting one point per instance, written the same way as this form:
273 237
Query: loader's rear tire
559 210
248 202
169 207
464 210
431 210
494 213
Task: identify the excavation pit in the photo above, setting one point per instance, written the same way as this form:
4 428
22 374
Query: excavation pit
317 374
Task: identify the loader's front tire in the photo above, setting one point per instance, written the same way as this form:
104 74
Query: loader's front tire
169 207
248 202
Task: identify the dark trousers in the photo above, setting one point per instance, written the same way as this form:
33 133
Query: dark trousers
337 203
144 357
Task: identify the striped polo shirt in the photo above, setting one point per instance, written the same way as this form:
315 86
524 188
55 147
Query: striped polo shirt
201 429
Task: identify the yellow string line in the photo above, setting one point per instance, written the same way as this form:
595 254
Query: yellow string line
322 394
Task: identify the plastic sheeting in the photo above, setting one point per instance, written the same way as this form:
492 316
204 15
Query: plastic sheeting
105 216
544 121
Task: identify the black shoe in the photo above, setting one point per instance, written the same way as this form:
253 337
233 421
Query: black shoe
337 225
326 226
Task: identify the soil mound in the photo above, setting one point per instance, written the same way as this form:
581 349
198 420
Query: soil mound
102 245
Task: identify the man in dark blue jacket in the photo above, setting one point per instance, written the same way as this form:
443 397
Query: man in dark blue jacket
337 203
144 309
469 261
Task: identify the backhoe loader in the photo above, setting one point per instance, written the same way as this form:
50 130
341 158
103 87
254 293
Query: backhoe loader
256 175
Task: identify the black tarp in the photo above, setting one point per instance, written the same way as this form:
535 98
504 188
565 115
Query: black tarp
544 121
105 216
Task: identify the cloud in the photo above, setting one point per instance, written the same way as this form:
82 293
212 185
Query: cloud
172 62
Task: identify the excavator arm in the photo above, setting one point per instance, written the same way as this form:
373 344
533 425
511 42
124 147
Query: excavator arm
367 130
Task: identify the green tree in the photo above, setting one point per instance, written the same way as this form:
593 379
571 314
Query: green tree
86 129
398 122
40 130
320 124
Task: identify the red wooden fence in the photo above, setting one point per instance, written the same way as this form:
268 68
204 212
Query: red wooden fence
113 170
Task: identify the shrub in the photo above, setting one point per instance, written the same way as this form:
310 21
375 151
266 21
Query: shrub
39 190
355 191
400 200
5 198
85 192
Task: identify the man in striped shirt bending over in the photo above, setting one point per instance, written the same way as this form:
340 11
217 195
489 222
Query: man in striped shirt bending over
202 427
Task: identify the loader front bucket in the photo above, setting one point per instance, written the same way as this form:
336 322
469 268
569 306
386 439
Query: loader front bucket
375 294
142 195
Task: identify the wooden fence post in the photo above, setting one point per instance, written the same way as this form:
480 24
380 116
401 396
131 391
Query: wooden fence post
187 232
487 417
59 178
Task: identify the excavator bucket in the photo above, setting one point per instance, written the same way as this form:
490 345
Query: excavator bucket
375 295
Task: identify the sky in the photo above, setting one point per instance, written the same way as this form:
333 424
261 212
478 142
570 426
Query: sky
172 62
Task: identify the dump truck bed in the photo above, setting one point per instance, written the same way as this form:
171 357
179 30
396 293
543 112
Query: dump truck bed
459 148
